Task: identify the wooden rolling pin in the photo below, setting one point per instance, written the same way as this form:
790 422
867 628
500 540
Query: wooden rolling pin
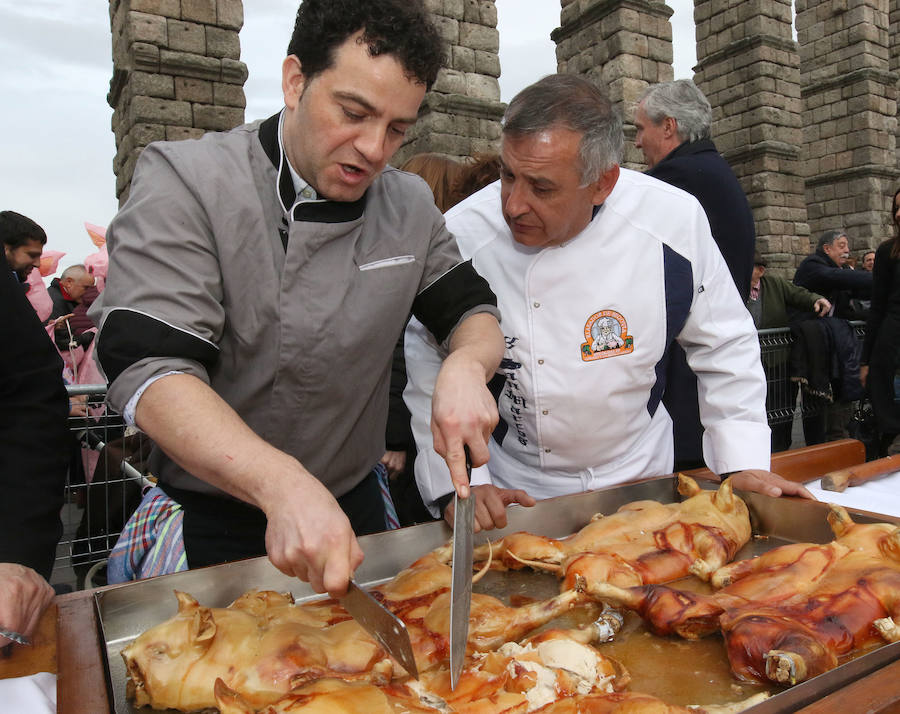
856 475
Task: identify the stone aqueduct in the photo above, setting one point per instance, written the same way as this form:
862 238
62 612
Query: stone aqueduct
809 125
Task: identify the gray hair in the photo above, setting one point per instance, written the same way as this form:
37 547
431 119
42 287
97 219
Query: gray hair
684 102
74 272
573 102
829 237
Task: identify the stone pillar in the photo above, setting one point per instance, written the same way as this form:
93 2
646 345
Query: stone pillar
894 34
622 44
176 74
748 68
461 114
850 117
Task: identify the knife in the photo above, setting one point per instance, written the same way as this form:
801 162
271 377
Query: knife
387 629
461 577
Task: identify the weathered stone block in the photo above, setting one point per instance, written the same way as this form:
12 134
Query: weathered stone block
180 133
230 14
229 95
166 8
479 37
449 81
152 85
142 27
207 116
222 43
160 111
188 64
447 28
477 85
194 90
462 59
186 37
487 63
199 11
233 71
143 57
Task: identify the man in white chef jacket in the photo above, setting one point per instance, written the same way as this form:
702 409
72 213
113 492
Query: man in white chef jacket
598 270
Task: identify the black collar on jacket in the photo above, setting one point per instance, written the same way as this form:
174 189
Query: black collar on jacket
690 147
311 211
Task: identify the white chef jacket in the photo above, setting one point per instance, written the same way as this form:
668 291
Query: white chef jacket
588 325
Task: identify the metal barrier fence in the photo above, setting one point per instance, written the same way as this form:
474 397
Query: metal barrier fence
781 395
105 479
108 468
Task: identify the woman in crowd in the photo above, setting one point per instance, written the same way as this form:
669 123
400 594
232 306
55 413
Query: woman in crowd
881 349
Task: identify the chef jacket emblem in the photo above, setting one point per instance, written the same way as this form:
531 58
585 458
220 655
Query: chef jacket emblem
606 335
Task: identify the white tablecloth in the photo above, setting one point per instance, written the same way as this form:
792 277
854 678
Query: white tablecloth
881 495
35 694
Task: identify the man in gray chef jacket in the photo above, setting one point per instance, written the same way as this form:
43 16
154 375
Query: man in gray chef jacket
258 282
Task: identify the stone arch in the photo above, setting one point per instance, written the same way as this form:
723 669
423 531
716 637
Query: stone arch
809 125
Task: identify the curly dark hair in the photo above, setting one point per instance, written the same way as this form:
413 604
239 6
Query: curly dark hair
396 27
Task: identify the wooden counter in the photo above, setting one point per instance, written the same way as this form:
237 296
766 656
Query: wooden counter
68 641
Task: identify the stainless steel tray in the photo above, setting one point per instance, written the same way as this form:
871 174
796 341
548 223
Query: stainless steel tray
126 611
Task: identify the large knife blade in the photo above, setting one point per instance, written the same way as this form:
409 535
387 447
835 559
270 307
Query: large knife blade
387 629
461 578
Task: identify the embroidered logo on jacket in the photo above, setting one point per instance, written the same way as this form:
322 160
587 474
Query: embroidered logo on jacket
606 335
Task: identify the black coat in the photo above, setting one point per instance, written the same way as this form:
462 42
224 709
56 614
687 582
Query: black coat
34 436
61 306
881 350
820 274
698 168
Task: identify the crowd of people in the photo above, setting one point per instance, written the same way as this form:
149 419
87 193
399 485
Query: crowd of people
303 329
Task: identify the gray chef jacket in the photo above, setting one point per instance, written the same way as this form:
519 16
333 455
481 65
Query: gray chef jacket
289 311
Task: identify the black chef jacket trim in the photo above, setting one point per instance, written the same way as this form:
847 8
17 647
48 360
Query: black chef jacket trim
442 304
679 287
129 336
308 211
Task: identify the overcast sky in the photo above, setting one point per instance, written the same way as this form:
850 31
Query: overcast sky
57 145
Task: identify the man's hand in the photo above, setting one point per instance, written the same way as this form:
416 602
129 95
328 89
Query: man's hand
394 462
490 505
863 373
60 322
768 484
822 307
309 536
24 595
463 411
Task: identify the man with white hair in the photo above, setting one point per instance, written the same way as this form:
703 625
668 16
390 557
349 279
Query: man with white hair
673 130
577 248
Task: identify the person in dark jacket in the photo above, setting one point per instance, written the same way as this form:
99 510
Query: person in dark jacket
67 292
23 244
881 350
826 272
673 130
772 299
33 436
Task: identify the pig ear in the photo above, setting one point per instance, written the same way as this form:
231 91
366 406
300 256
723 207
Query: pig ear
891 544
185 602
229 701
724 497
687 487
839 519
203 627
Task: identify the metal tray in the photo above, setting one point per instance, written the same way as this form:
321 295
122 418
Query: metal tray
127 610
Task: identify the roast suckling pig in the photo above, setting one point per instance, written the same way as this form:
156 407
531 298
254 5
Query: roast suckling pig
643 542
263 646
555 672
789 614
